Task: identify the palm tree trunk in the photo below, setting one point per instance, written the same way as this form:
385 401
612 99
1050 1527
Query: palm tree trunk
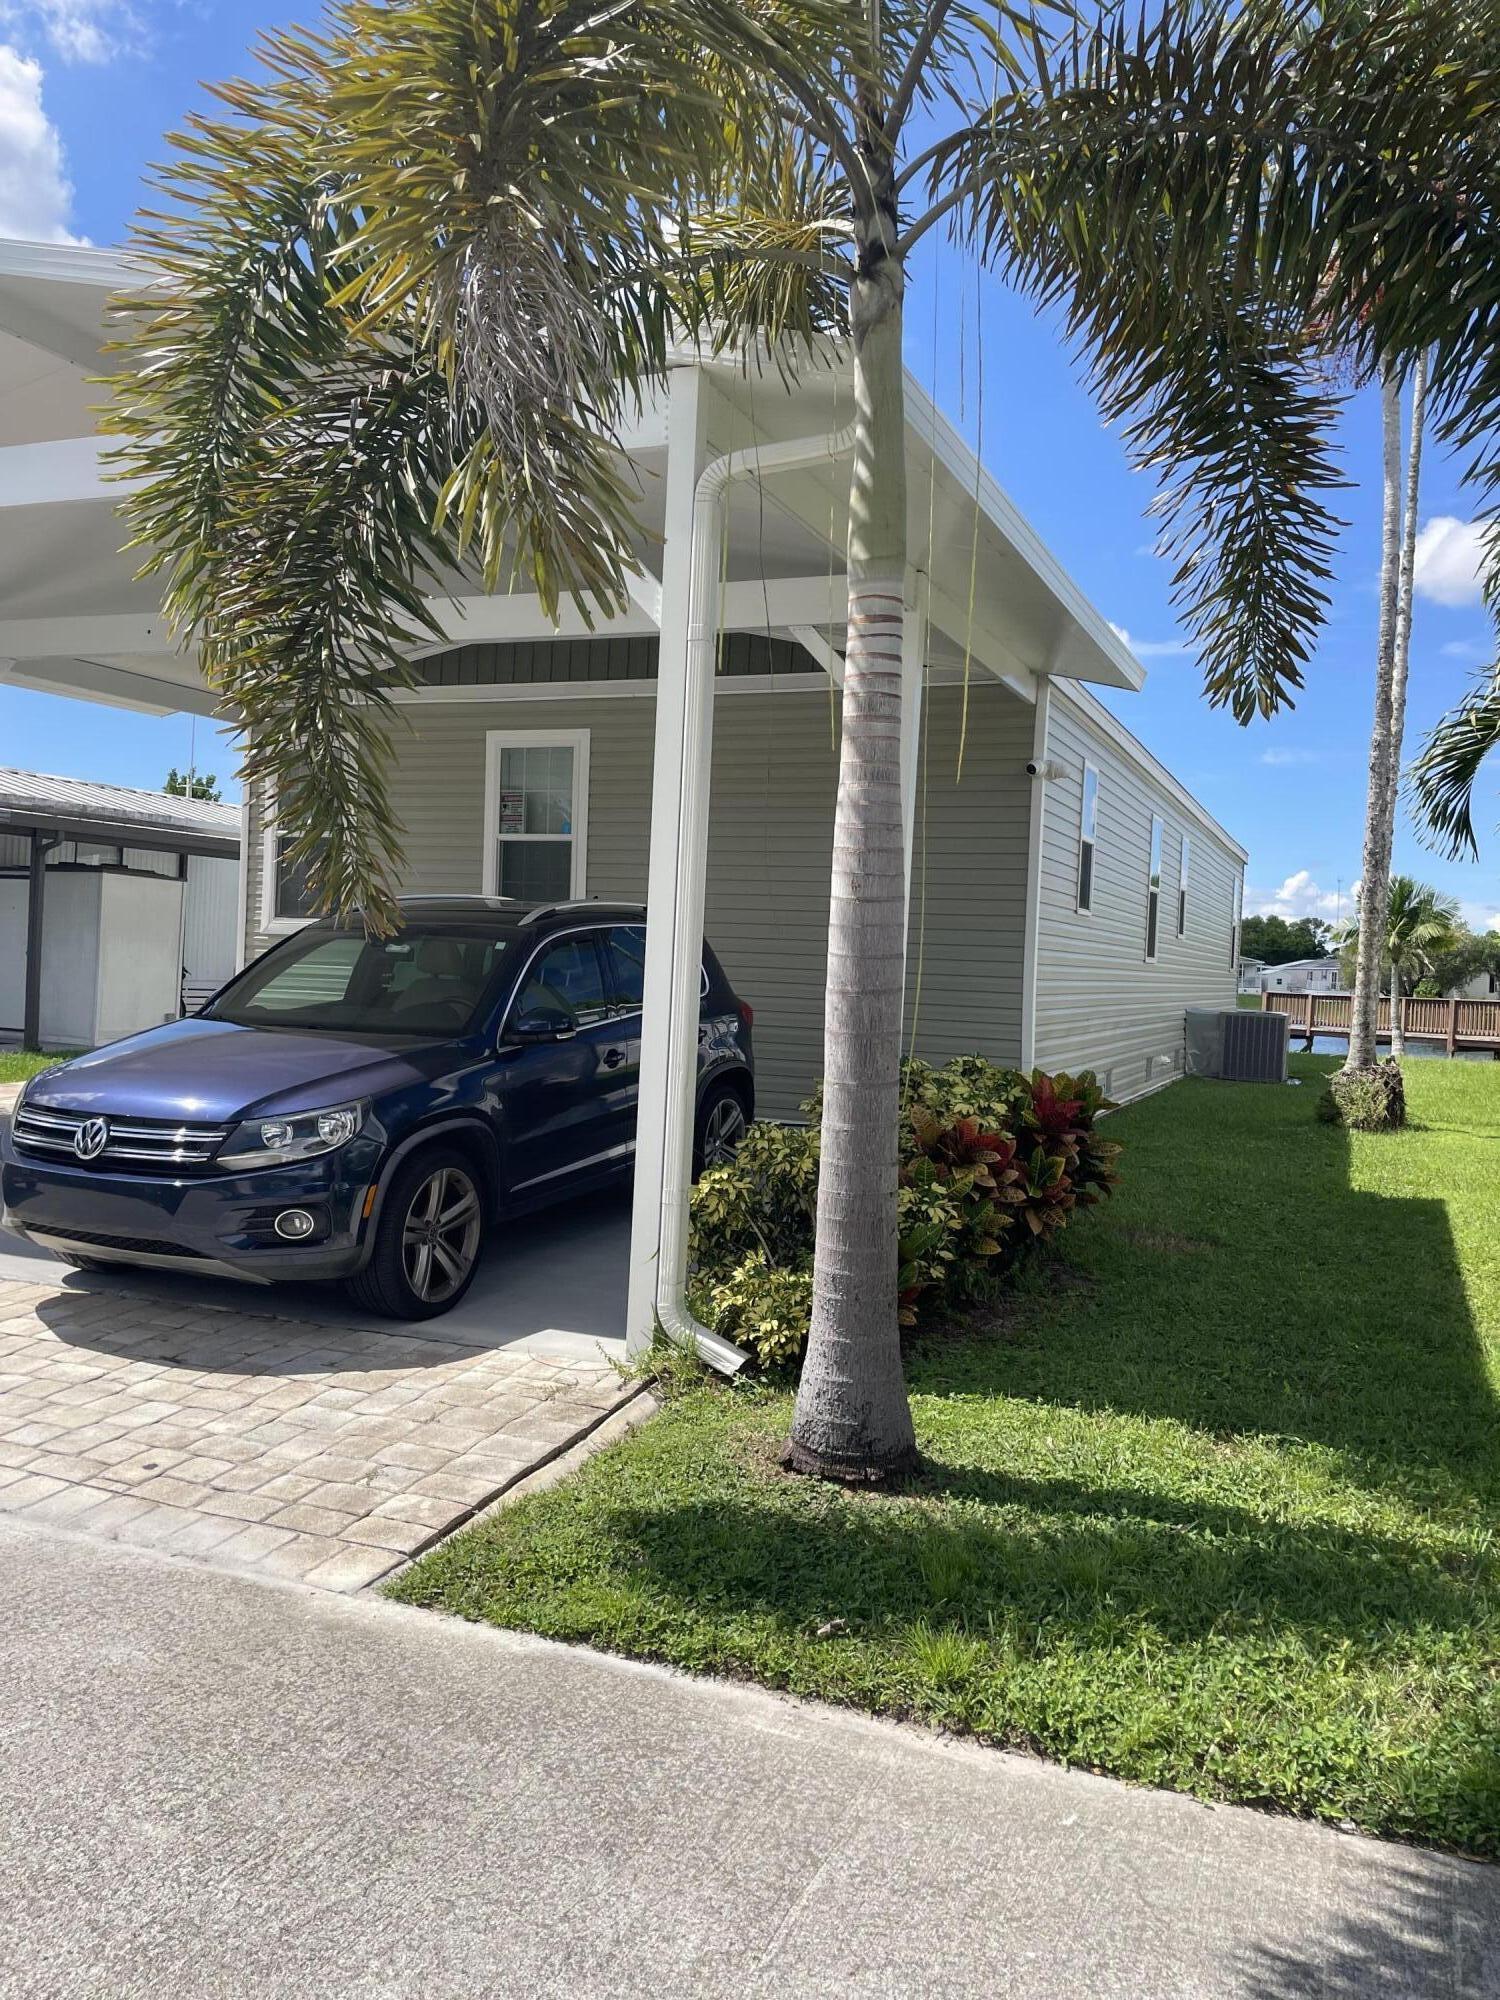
1401 657
1398 1037
1376 859
853 1419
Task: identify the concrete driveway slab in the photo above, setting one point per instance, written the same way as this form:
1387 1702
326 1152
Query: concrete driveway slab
216 1786
314 1450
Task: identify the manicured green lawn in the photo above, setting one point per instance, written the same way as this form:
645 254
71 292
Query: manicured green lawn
17 1064
1214 1506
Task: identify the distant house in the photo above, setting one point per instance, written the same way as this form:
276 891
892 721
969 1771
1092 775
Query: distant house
115 904
1251 971
1483 986
1303 975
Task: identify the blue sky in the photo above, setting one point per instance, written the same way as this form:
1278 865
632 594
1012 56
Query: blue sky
88 88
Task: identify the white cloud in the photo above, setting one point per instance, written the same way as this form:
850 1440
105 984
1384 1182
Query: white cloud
35 195
1150 649
1480 917
1277 758
1449 560
81 31
1300 896
1472 650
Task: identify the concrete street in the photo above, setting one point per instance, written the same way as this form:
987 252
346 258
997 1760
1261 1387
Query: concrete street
216 1785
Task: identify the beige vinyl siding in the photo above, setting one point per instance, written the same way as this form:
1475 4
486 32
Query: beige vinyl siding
1099 1003
775 776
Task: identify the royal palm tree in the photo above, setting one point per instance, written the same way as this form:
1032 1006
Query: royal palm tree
1420 923
1398 544
411 282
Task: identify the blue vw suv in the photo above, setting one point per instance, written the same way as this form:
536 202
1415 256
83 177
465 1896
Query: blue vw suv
365 1109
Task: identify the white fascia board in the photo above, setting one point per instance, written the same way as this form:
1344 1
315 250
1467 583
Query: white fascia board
138 634
747 607
1136 753
115 687
932 427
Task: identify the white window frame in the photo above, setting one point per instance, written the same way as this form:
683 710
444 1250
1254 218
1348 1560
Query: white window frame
1236 915
1087 836
497 741
270 924
1184 870
1153 887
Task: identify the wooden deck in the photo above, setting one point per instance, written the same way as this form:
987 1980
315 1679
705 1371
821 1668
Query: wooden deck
1457 1024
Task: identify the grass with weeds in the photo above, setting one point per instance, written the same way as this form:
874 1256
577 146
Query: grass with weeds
16 1065
1211 1502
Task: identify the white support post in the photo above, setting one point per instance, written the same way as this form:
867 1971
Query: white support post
675 892
678 879
1036 833
913 659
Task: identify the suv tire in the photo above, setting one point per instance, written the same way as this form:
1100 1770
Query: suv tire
428 1237
720 1126
80 1263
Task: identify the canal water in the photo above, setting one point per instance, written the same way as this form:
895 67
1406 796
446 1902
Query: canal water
1336 1045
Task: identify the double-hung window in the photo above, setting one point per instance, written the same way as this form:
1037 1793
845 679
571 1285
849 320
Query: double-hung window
1153 890
1183 866
1088 828
536 814
286 895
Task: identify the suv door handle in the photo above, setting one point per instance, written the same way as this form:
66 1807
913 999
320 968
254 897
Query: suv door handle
612 1058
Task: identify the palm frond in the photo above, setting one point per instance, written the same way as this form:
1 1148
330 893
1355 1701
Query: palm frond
1443 777
1180 187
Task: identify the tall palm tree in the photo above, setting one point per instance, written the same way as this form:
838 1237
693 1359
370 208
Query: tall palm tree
411 282
1418 925
1398 548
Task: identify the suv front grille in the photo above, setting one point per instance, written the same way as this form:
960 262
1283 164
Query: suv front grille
134 1145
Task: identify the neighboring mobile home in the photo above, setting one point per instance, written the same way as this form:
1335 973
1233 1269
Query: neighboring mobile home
116 907
1304 975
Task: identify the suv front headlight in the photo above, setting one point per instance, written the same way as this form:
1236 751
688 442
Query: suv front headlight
274 1142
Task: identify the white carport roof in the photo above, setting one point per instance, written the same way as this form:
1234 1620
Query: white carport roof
75 620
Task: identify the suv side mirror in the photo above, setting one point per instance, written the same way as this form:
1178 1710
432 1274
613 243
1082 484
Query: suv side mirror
542 1024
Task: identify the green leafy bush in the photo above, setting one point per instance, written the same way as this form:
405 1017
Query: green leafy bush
992 1163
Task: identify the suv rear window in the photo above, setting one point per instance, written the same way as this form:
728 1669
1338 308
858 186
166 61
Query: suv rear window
418 983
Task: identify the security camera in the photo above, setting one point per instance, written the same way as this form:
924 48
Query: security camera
1045 768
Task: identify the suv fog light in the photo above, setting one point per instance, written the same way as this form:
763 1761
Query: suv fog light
295 1225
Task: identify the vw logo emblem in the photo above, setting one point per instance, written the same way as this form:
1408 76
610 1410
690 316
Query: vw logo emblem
91 1138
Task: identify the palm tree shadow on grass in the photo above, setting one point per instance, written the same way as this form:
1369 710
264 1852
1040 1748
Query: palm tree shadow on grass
1252 1290
1040 1555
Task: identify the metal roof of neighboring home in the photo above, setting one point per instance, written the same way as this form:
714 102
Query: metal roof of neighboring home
35 798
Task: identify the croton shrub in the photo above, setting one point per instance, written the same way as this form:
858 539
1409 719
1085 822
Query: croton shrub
993 1163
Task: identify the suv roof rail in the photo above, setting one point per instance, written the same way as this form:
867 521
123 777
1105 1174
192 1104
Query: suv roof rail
570 903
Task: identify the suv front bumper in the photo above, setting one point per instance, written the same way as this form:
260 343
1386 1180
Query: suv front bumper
219 1225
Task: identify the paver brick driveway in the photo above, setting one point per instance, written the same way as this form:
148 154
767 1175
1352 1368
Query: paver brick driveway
281 1446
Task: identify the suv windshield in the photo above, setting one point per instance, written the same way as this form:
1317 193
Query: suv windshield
420 983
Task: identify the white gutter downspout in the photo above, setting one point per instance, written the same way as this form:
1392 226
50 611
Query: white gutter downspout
678 939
